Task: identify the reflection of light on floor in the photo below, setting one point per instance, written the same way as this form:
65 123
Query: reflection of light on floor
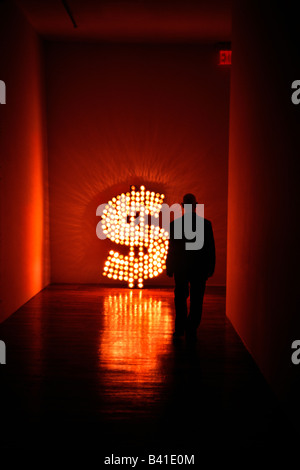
136 331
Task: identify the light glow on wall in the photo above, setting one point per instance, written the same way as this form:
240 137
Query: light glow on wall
125 221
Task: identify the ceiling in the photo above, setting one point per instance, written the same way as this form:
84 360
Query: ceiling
204 21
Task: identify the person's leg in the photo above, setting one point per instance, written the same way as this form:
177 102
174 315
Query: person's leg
181 294
197 289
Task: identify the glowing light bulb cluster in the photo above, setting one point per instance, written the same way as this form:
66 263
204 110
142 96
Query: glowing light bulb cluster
125 221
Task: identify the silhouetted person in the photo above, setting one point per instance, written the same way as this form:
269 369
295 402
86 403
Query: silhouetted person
191 269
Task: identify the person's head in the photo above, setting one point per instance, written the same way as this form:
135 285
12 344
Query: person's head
191 200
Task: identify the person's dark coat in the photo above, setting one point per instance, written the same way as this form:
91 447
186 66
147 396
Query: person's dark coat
199 262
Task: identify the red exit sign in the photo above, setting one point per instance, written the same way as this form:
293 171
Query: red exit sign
224 57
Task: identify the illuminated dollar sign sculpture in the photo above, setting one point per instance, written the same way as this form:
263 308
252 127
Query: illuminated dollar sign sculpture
125 222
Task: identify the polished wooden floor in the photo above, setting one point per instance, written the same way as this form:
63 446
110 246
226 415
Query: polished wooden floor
91 367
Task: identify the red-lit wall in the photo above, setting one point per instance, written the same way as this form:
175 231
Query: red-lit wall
131 114
263 193
24 224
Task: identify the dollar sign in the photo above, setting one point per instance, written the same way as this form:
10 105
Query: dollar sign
125 221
